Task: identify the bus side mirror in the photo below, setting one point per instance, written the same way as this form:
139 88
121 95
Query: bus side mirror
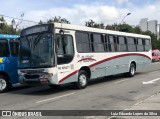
61 31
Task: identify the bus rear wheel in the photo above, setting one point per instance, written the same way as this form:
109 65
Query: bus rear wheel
132 70
4 84
82 80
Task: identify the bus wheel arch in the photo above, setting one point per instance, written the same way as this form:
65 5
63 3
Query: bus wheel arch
87 70
5 83
84 75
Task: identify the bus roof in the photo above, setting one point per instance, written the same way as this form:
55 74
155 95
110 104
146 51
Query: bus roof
8 36
89 29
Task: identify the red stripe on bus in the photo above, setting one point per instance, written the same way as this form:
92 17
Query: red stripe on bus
118 56
111 58
68 76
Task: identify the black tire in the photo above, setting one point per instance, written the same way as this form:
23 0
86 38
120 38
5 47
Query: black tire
132 70
82 79
54 86
4 84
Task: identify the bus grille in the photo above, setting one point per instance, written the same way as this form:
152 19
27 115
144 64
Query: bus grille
27 76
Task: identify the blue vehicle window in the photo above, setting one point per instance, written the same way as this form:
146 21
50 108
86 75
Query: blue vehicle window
4 50
14 47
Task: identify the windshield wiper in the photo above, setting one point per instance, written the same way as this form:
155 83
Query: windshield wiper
37 40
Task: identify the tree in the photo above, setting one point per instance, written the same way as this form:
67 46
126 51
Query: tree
15 24
137 30
6 28
93 24
58 20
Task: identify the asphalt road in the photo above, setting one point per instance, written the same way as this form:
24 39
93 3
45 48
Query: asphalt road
109 93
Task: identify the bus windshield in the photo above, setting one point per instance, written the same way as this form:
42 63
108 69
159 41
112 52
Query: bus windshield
36 51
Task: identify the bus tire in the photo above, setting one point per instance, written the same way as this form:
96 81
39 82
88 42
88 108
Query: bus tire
132 70
82 80
4 84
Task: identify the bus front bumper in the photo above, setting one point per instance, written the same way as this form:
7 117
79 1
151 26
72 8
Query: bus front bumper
34 81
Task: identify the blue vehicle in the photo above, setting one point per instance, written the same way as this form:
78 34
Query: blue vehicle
9 46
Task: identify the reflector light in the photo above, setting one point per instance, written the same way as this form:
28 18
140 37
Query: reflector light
43 79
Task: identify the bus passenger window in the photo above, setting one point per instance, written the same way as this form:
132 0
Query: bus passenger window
112 44
97 42
147 44
4 49
83 42
131 44
140 45
14 46
121 46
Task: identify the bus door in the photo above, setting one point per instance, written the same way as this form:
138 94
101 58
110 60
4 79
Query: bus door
65 55
4 54
12 61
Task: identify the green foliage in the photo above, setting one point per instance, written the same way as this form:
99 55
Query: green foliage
91 23
57 20
6 28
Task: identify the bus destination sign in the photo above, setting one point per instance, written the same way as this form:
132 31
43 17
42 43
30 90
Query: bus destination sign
37 29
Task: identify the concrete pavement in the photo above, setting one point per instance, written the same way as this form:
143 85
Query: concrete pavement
150 103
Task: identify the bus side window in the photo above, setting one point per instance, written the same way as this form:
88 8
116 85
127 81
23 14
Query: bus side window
147 44
121 44
59 46
4 48
140 45
112 43
65 49
131 42
83 42
97 42
14 47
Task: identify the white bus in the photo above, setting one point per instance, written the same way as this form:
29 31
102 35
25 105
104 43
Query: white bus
55 54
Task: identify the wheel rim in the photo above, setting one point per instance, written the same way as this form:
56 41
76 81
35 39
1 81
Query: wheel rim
132 70
3 84
82 80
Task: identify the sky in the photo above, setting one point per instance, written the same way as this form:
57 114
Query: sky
79 11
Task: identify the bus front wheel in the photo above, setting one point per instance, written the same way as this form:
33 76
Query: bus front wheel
82 80
4 84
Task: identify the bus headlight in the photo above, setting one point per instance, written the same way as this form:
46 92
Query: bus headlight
50 75
21 79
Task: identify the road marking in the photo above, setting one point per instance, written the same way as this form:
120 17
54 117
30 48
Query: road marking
151 81
55 97
138 103
142 101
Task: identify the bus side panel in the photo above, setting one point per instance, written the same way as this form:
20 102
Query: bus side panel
115 64
110 67
118 65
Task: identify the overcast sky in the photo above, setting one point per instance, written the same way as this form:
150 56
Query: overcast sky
79 11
